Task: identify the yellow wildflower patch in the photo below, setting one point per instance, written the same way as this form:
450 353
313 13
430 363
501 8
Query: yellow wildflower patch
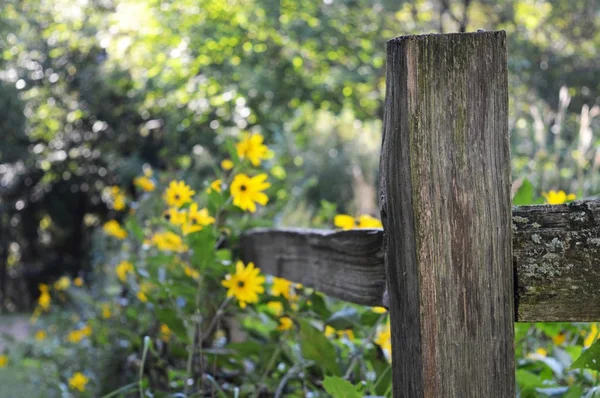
113 228
78 382
40 335
3 361
227 164
281 287
344 221
175 216
247 191
165 333
366 221
168 241
285 323
178 194
78 281
63 283
558 197
384 339
197 220
275 307
192 273
245 285
251 147
559 338
123 269
215 186
144 183
347 333
592 336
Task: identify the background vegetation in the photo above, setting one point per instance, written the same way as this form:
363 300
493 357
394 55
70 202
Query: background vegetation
94 92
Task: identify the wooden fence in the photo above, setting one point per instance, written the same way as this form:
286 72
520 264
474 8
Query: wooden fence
455 264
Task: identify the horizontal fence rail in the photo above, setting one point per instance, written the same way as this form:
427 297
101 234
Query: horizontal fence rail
556 257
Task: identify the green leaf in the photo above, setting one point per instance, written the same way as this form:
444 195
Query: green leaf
574 392
369 318
590 359
315 346
524 195
527 380
340 388
319 306
132 225
344 319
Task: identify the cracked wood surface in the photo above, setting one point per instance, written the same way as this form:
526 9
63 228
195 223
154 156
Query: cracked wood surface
556 258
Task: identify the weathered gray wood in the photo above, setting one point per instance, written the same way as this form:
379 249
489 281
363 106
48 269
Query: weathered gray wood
343 264
556 258
556 251
446 211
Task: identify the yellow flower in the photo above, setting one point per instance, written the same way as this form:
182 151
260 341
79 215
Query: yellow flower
557 198
285 323
384 339
592 336
245 285
192 273
215 186
281 287
559 338
44 300
330 331
246 191
344 221
165 333
86 331
78 282
146 184
62 283
43 288
3 361
227 164
168 241
40 335
75 336
275 307
78 382
251 146
142 297
378 310
178 194
198 219
122 269
106 313
144 288
113 228
175 216
366 221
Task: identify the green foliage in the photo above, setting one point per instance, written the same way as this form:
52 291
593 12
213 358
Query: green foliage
340 388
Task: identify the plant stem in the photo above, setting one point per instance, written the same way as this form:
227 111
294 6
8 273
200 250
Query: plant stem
356 355
141 375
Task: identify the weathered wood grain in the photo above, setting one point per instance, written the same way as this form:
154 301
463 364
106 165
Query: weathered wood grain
343 264
446 211
556 258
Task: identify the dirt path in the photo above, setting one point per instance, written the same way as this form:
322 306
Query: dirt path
16 326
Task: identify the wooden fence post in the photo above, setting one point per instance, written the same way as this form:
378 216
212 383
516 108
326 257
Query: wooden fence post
446 210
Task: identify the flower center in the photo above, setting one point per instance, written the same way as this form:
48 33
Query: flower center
241 284
177 196
243 188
